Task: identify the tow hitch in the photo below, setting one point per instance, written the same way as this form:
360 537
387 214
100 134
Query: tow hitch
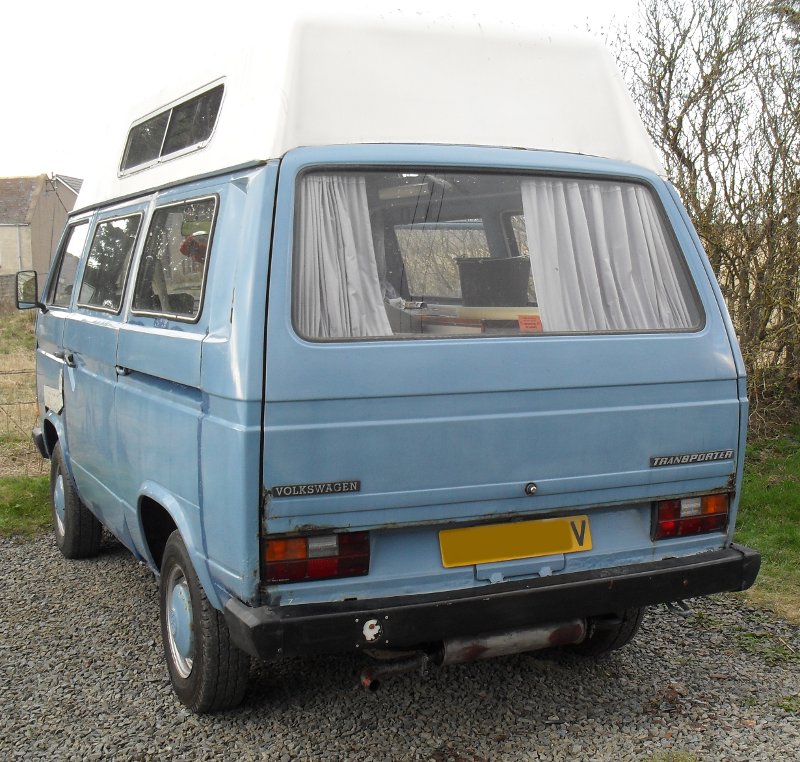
679 608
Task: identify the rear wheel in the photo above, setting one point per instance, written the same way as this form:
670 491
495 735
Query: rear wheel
208 672
77 531
605 635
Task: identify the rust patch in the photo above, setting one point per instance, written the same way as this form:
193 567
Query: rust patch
566 634
470 652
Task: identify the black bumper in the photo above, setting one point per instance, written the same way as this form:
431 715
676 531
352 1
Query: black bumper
270 632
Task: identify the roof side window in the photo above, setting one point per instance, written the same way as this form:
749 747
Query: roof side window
145 140
67 266
185 126
107 266
193 122
173 266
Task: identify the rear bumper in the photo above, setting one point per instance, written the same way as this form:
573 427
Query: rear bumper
270 632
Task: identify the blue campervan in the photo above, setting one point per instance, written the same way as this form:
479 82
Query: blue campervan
362 353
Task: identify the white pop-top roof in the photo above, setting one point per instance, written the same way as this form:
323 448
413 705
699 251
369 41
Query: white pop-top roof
394 79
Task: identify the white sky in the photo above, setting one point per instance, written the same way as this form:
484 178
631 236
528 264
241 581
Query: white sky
64 65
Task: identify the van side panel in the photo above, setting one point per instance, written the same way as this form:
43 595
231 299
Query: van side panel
159 405
232 377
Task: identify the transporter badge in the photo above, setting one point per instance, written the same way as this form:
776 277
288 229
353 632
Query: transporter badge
691 458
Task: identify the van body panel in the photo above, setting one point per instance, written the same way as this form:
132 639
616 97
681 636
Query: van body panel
232 379
89 389
445 431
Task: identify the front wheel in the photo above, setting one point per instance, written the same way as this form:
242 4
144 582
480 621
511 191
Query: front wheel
208 672
78 532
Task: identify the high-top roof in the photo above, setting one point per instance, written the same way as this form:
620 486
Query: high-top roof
333 80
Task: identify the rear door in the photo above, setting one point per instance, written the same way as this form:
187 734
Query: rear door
422 404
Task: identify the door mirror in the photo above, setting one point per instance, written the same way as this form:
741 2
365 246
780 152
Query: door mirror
28 291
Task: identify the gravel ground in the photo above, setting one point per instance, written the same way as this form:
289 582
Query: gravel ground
82 677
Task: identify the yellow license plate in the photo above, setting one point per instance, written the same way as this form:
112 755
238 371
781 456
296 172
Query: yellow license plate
521 539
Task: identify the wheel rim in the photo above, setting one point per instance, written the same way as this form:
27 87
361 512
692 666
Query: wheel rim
180 634
59 504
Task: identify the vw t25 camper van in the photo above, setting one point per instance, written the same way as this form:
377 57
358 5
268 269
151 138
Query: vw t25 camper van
392 339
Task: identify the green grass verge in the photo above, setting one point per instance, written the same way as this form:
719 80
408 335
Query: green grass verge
24 505
769 521
17 331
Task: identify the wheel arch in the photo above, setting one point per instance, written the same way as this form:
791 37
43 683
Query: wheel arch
161 513
52 432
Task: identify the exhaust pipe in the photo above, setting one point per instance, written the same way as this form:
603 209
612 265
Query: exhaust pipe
371 676
461 650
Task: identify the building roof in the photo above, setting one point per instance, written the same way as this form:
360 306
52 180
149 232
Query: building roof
18 198
73 183
378 79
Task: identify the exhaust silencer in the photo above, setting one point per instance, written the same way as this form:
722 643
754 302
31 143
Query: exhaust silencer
459 650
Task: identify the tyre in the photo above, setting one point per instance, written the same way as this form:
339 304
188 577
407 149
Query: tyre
605 635
77 530
208 672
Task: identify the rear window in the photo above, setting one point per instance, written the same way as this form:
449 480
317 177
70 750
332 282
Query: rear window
423 254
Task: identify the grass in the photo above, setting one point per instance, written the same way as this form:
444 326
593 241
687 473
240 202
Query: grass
790 703
24 505
17 394
16 334
769 520
672 756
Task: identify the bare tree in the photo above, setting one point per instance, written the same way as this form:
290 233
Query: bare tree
717 83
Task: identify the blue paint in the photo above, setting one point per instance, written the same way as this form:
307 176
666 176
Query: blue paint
205 416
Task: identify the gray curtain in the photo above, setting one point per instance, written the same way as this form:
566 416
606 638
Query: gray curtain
337 291
600 258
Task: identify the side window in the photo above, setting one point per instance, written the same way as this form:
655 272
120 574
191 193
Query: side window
61 291
107 266
173 266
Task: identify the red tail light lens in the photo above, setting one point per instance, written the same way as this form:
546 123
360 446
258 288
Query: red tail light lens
690 516
297 559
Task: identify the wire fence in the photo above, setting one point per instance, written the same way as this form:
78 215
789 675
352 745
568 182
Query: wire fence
18 454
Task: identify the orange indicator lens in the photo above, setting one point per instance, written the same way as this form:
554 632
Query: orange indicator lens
298 559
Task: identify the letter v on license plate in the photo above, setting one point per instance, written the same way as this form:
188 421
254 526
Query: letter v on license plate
490 543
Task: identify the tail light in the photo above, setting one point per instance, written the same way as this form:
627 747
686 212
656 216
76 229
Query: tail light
297 559
690 516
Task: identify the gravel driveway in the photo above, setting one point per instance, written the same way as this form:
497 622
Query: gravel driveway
82 677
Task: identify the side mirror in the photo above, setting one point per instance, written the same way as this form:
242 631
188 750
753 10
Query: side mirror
28 291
